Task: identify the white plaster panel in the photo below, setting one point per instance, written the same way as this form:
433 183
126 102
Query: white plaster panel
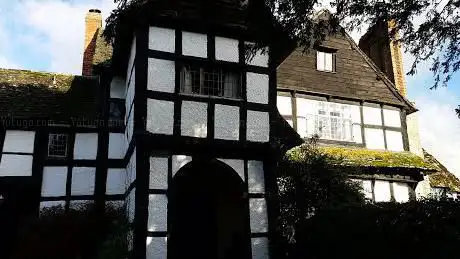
117 88
83 180
394 140
130 240
54 181
19 141
374 138
382 191
259 248
259 59
161 75
227 122
284 105
131 205
355 114
194 44
85 146
158 173
79 204
258 215
357 136
131 169
16 165
256 179
158 212
157 248
117 148
51 204
119 204
160 116
132 57
257 88
237 165
391 118
372 115
130 127
258 126
227 49
401 192
162 39
116 181
194 119
367 189
178 161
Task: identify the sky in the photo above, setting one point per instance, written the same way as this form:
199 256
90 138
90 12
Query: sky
47 35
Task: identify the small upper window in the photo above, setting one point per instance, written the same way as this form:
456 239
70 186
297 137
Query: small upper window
57 145
210 81
325 61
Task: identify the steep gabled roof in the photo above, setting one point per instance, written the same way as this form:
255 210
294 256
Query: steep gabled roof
47 96
357 76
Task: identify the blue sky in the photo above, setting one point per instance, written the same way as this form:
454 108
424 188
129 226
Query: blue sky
47 35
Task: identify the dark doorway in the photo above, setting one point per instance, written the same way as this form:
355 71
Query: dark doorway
208 213
17 202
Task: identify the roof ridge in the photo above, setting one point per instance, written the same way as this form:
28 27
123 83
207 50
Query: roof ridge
43 72
385 78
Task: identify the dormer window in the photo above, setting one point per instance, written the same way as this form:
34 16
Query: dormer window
325 61
206 81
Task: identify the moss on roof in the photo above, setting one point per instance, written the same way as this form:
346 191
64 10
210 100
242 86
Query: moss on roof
103 51
443 178
360 157
40 95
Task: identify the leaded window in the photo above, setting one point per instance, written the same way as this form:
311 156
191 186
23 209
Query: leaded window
57 145
332 121
217 82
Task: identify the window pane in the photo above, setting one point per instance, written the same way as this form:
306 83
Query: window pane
320 60
211 82
328 61
57 145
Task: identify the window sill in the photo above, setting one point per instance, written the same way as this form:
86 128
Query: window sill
338 142
325 71
211 97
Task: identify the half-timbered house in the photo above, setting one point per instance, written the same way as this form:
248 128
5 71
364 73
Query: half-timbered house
177 126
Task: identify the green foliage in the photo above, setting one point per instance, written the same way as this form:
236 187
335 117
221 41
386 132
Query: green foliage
425 229
84 232
308 184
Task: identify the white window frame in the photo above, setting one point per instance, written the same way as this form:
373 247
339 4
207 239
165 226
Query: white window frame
329 114
325 61
50 143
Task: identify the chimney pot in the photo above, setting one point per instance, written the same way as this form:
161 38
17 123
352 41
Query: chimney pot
94 11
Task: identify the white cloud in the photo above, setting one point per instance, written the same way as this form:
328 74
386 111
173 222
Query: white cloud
5 63
58 29
440 127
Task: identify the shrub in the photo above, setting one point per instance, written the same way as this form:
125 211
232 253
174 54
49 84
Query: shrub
309 183
85 232
424 229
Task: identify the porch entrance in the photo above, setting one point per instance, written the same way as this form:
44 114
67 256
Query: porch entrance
208 213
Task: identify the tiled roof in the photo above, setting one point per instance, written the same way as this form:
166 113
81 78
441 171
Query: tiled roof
443 178
103 51
366 158
41 95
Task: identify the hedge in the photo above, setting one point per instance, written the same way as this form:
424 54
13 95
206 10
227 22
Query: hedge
424 229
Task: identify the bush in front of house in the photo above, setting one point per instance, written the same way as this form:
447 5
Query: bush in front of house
83 232
419 229
307 183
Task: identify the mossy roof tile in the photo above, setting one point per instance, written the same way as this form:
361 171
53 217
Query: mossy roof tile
41 95
443 178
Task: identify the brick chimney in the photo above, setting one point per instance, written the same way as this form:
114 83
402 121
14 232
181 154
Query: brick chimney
93 23
385 52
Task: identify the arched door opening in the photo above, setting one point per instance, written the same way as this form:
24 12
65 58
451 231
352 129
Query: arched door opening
208 213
